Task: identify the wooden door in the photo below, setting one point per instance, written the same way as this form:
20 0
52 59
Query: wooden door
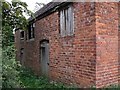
45 58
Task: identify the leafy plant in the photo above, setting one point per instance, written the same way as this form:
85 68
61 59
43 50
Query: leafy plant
12 18
29 80
10 75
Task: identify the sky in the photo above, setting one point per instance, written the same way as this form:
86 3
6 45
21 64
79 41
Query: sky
31 3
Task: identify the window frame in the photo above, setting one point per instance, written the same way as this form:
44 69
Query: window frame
31 31
67 16
22 34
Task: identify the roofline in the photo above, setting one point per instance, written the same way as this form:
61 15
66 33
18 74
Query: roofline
41 14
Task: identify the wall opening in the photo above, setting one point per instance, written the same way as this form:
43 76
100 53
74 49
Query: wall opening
44 57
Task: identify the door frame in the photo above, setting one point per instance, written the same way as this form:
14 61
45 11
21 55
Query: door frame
46 74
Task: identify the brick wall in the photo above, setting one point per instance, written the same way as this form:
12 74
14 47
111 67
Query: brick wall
89 57
119 39
18 44
106 44
85 48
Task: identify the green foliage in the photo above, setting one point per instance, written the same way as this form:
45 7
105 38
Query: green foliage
12 18
112 87
29 80
10 75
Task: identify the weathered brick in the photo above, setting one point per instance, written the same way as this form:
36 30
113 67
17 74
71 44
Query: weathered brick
88 58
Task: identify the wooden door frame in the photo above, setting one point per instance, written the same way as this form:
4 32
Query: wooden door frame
41 66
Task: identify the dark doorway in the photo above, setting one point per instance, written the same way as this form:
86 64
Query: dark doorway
44 54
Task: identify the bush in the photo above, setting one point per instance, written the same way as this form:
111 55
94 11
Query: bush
29 80
10 74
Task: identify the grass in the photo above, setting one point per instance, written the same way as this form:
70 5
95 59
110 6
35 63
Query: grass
29 80
113 87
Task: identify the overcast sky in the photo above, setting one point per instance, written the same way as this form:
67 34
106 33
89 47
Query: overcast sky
31 3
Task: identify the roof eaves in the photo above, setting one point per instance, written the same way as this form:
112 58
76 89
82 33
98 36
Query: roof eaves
50 7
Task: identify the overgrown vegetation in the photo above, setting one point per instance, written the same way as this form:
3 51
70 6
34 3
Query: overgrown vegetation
12 18
29 80
10 74
13 76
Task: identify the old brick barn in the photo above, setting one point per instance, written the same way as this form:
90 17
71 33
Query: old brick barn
73 43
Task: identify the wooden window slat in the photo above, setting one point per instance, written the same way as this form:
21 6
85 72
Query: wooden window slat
66 21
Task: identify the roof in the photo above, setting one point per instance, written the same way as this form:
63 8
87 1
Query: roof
47 9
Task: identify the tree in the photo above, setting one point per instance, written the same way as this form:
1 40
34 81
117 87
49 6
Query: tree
12 18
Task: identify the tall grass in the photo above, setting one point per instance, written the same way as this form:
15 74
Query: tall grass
29 80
